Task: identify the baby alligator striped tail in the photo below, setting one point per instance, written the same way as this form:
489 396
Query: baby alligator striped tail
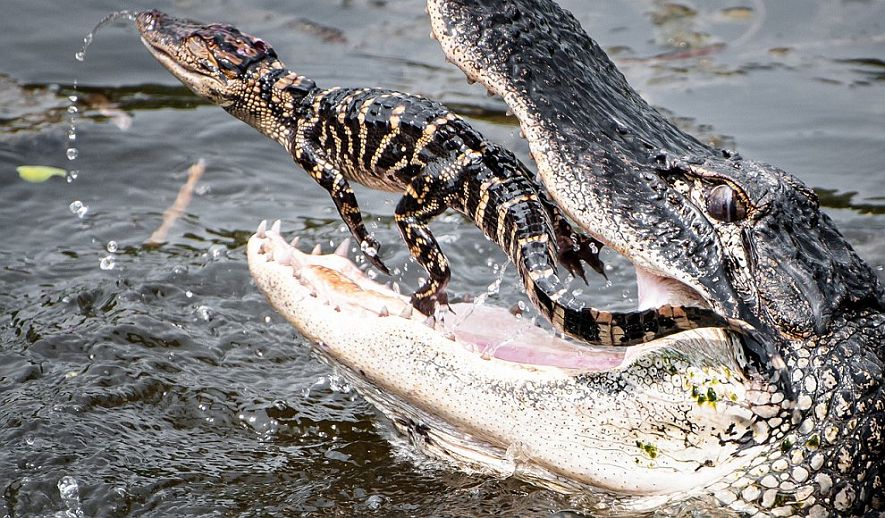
408 144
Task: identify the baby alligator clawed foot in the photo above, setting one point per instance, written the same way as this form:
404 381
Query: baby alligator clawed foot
574 248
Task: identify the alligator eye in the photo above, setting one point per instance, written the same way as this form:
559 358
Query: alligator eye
724 204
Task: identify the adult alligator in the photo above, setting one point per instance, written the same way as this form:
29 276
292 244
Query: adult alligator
686 418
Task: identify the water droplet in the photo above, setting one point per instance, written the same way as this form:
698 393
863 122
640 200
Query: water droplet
30 439
87 40
339 384
80 56
72 136
372 274
72 175
73 109
107 262
205 313
111 247
72 153
78 208
368 249
267 319
374 502
72 98
217 251
188 294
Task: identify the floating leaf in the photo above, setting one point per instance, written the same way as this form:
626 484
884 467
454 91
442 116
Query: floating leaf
39 173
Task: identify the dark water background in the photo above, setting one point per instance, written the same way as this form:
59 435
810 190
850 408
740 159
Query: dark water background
166 386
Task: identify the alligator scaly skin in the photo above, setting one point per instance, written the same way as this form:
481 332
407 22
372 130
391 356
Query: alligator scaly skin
404 143
641 185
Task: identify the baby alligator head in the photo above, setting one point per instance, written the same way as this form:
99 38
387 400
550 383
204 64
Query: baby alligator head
218 62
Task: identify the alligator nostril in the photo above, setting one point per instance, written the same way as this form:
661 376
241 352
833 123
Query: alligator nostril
148 19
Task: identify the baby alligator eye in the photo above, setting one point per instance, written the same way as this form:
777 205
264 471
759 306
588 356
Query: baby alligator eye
724 204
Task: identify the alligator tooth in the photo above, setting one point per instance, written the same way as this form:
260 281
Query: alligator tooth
395 287
490 93
407 311
430 322
521 134
343 247
296 269
275 228
383 312
433 35
337 308
317 250
262 228
471 81
508 113
285 257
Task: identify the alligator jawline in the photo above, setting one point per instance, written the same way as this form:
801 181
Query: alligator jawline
489 331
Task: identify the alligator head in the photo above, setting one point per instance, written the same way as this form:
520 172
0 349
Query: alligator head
745 237
217 62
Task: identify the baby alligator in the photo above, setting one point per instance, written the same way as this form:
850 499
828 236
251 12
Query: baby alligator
403 143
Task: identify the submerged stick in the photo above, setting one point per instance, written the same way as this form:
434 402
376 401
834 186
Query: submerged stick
181 202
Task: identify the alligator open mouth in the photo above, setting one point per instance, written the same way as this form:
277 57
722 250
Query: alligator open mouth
492 332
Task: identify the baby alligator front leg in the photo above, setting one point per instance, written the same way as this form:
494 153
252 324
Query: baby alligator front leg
332 180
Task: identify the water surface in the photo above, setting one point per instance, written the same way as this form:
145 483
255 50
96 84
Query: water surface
165 384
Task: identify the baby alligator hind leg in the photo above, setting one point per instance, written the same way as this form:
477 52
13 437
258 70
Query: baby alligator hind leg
331 179
425 198
572 246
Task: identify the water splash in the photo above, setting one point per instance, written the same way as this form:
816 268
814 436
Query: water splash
69 491
71 151
87 40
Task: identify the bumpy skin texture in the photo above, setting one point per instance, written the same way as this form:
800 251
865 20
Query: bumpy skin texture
747 236
398 142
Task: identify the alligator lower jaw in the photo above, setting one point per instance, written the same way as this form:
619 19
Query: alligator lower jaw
492 392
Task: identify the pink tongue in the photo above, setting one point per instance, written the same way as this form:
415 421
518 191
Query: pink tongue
493 331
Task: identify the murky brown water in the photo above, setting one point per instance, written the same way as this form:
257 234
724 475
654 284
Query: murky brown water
166 386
